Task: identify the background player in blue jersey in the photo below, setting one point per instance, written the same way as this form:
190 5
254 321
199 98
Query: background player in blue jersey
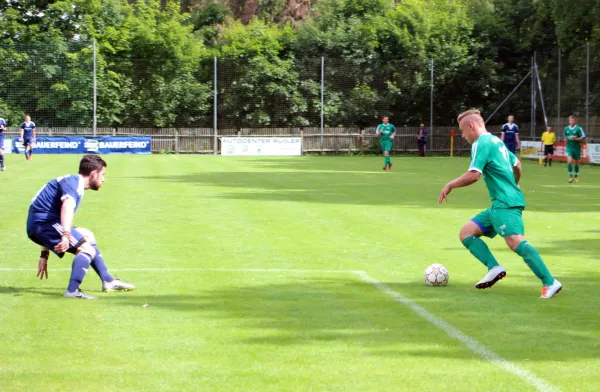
2 130
28 136
510 135
50 224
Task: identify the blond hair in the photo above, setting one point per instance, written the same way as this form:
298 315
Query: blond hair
473 112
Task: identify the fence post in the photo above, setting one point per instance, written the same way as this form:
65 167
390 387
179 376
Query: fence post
559 72
176 141
431 108
322 102
539 84
95 93
362 142
533 96
587 89
215 110
302 140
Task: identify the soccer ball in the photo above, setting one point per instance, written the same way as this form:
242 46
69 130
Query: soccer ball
436 275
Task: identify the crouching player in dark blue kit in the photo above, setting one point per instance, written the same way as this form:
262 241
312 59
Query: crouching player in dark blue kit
49 225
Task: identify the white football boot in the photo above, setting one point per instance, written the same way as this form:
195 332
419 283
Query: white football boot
492 276
77 294
552 290
117 285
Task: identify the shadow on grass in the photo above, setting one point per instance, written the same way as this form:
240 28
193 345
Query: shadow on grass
411 189
509 319
19 291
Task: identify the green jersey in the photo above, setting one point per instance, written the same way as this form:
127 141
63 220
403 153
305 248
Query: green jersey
576 131
386 131
491 158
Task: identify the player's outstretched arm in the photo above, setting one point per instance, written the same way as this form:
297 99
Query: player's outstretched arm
43 264
67 212
469 178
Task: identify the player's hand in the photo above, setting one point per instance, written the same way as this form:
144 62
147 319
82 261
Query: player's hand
42 268
20 140
63 245
444 194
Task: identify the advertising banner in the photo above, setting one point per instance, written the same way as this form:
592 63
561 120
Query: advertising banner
86 145
532 150
261 146
594 153
7 146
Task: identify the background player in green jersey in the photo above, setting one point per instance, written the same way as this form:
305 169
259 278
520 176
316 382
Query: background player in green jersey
574 135
501 171
386 133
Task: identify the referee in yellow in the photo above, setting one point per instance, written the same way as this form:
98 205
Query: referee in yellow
548 140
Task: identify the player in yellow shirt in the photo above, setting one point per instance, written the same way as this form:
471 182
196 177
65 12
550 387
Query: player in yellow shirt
548 140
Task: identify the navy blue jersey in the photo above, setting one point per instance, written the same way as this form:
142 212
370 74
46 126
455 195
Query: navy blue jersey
47 203
510 133
2 124
28 130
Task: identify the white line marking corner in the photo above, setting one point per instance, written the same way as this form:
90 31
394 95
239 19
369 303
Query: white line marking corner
455 333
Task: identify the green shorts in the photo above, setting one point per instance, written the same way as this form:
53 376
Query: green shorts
574 153
503 221
386 146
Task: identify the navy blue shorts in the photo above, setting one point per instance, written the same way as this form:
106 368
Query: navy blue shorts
512 147
28 142
49 234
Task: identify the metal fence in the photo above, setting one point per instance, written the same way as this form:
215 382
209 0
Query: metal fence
72 88
332 141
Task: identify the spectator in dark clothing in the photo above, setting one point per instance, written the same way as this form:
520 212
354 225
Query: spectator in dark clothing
422 139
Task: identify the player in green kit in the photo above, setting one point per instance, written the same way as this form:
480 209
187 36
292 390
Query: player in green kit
386 133
574 135
501 171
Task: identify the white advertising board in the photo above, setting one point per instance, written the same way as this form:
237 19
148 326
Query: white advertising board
7 146
261 146
594 153
530 149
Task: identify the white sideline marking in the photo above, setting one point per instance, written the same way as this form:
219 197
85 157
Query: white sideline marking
455 333
175 157
241 270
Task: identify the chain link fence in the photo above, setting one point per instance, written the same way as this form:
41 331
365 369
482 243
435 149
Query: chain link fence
334 104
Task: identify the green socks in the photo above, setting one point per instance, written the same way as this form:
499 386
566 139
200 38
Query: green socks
570 168
534 261
576 171
480 250
387 161
532 257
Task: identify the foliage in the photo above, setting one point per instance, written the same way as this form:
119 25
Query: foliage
154 59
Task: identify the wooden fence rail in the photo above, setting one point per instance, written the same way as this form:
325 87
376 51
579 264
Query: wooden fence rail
334 140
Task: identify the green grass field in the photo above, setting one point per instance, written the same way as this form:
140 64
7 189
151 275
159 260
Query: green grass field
246 265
